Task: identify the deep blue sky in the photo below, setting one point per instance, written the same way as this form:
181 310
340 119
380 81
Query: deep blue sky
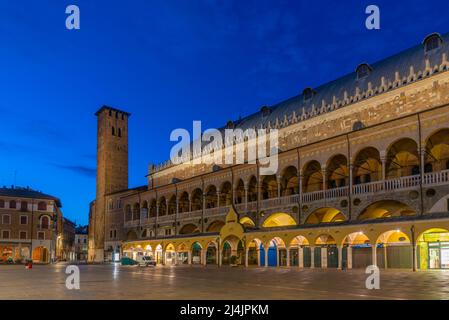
168 63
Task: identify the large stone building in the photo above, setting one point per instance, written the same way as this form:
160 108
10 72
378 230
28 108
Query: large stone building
363 179
30 225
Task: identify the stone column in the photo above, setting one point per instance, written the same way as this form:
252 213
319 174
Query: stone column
383 160
246 257
324 257
374 254
300 186
300 257
190 203
277 257
189 257
422 163
217 256
312 257
340 257
246 197
203 256
278 180
351 177
323 172
258 257
385 256
349 257
218 198
288 257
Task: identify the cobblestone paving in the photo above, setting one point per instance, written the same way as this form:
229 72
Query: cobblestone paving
197 282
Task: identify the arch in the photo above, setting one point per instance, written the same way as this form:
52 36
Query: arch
211 197
357 252
337 172
215 226
325 215
432 250
324 239
131 235
253 251
171 208
247 222
312 177
196 253
226 194
289 181
136 211
402 159
189 229
252 189
153 208
269 187
299 241
162 207
40 255
394 250
197 199
240 192
128 213
211 253
385 209
278 220
437 151
367 166
184 203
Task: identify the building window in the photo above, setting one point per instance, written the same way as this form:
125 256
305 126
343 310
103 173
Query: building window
115 234
6 219
23 235
23 206
5 234
45 222
119 132
23 220
41 235
42 206
2 203
113 131
110 234
432 42
168 232
85 240
12 204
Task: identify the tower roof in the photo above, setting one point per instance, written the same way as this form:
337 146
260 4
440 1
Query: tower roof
105 107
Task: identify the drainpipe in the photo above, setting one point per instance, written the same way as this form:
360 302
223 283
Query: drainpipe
350 167
421 155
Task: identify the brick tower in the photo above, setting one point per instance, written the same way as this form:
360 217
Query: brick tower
112 170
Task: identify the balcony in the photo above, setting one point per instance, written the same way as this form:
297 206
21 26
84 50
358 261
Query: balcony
371 188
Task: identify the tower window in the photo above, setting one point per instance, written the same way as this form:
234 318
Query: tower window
307 94
113 131
116 115
432 42
110 112
119 132
363 70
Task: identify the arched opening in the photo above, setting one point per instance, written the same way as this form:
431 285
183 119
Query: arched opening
183 254
325 215
172 205
233 251
367 166
196 253
211 197
247 222
289 182
437 151
136 211
402 159
386 209
226 253
394 250
254 252
158 253
144 210
215 226
276 253
240 192
131 235
433 249
197 199
269 187
337 172
312 177
300 252
226 194
128 213
278 220
40 255
189 229
184 204
162 207
356 251
252 189
153 208
211 253
170 255
325 252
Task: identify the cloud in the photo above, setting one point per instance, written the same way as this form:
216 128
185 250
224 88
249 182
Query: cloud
79 169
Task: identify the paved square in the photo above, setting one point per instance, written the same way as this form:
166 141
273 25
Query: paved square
211 282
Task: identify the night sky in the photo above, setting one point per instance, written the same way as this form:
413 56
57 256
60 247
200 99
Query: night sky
168 63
